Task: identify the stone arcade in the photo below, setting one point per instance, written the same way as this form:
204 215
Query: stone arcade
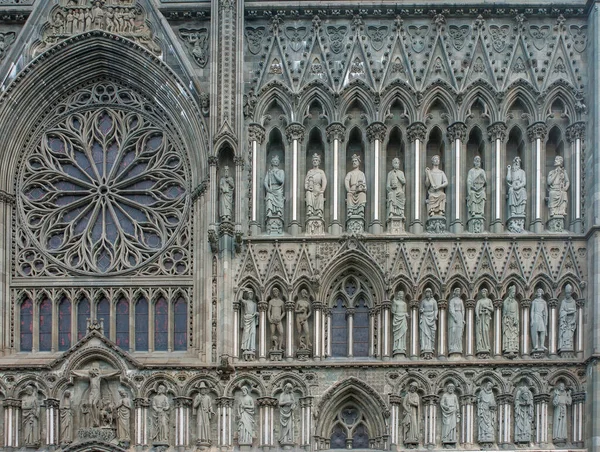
299 225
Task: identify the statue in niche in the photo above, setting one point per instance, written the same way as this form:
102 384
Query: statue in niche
484 309
287 405
517 196
400 317
558 184
428 322
567 321
94 391
486 413
275 315
476 197
274 199
160 415
66 419
123 408
450 408
560 400
246 423
523 414
303 311
539 321
356 196
30 412
436 181
456 322
510 324
226 187
315 184
396 197
412 409
249 322
203 408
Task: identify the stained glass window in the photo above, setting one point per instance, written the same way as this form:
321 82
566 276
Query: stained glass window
360 331
360 438
122 324
83 314
64 324
180 330
161 325
338 437
45 325
103 313
339 330
26 325
141 325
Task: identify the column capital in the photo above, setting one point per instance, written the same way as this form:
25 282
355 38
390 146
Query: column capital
525 303
236 305
538 398
497 131
416 131
213 160
182 401
506 398
442 304
431 399
457 131
578 397
468 399
386 304
376 131
326 310
295 131
350 312
537 130
470 304
414 304
580 302
575 131
238 160
395 399
497 303
267 401
317 306
15 403
306 402
256 132
553 303
262 306
52 403
141 402
224 401
290 305
335 131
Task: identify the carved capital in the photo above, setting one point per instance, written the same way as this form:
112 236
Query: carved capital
525 303
467 400
289 305
416 131
373 311
238 160
317 306
575 131
141 402
266 401
537 130
376 131
539 398
386 304
553 303
15 403
306 402
395 399
497 303
224 401
213 160
414 304
336 131
236 305
457 131
497 131
580 303
327 312
442 304
578 397
262 306
506 398
182 401
470 304
256 132
52 403
295 131
350 312
226 4
430 399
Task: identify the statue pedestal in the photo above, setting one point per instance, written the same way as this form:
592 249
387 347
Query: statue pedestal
510 355
427 355
538 354
160 446
399 354
566 353
287 446
249 355
436 225
315 226
411 444
276 355
556 223
483 355
303 355
355 224
203 445
476 224
454 355
396 225
516 224
274 226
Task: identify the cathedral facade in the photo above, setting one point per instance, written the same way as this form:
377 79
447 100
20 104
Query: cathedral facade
299 225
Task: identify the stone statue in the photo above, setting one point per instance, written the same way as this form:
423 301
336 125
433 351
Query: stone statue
486 413
560 400
66 419
246 423
94 391
315 184
226 186
567 321
303 311
160 415
356 196
274 199
412 411
558 184
124 408
203 409
249 321
484 310
287 405
523 414
510 324
428 322
517 196
400 317
30 412
275 315
450 408
456 322
396 197
476 182
539 321
436 181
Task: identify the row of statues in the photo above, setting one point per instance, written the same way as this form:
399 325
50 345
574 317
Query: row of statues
436 182
484 313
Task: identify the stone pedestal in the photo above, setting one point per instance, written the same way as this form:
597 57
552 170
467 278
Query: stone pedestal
315 226
303 354
160 447
399 354
249 355
355 225
436 225
516 224
276 355
556 223
396 225
274 226
203 445
538 353
476 224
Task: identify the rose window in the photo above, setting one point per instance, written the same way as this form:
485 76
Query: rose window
104 191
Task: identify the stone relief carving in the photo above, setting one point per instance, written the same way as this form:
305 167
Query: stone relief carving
486 413
226 190
510 324
6 40
561 399
66 419
558 184
484 311
161 407
336 37
246 424
400 317
476 196
412 415
296 36
567 321
287 405
274 199
123 410
523 414
450 410
203 409
517 196
93 400
356 197
315 184
539 322
197 43
30 412
456 322
436 181
249 324
396 198
428 316
254 38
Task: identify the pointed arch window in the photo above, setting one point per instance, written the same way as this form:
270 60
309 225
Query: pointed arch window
141 325
339 330
64 324
26 325
83 314
180 325
361 329
45 332
122 324
103 315
161 325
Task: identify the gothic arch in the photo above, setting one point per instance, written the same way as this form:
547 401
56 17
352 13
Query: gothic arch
405 95
320 94
542 281
558 90
245 378
297 380
93 446
445 96
485 94
360 94
522 93
269 94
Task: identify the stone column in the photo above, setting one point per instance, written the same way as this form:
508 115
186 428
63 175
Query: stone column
262 330
52 422
467 419
289 342
525 339
295 135
552 331
457 133
470 327
256 136
238 213
224 408
318 346
141 421
12 422
376 133
505 419
395 419
430 403
266 425
541 418
326 318
498 328
374 325
537 133
350 319
236 330
182 423
442 331
578 400
385 336
306 404
575 135
580 311
336 132
497 135
213 213
414 329
416 134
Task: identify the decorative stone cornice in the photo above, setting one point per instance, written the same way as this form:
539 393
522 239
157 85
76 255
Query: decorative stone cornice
416 131
497 131
336 131
376 131
575 131
457 131
295 131
256 132
537 130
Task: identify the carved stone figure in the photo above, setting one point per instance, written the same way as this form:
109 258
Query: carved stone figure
287 405
315 184
412 414
303 311
249 321
567 321
66 419
275 315
484 310
123 408
539 321
456 322
246 423
356 196
396 197
560 400
436 181
517 196
160 415
486 413
476 182
523 414
510 324
400 317
274 199
94 391
30 412
226 186
203 409
428 322
558 184
450 408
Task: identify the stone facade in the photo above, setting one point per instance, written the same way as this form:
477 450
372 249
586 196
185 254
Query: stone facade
236 225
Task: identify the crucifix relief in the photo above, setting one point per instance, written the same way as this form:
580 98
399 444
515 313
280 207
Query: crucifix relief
94 391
